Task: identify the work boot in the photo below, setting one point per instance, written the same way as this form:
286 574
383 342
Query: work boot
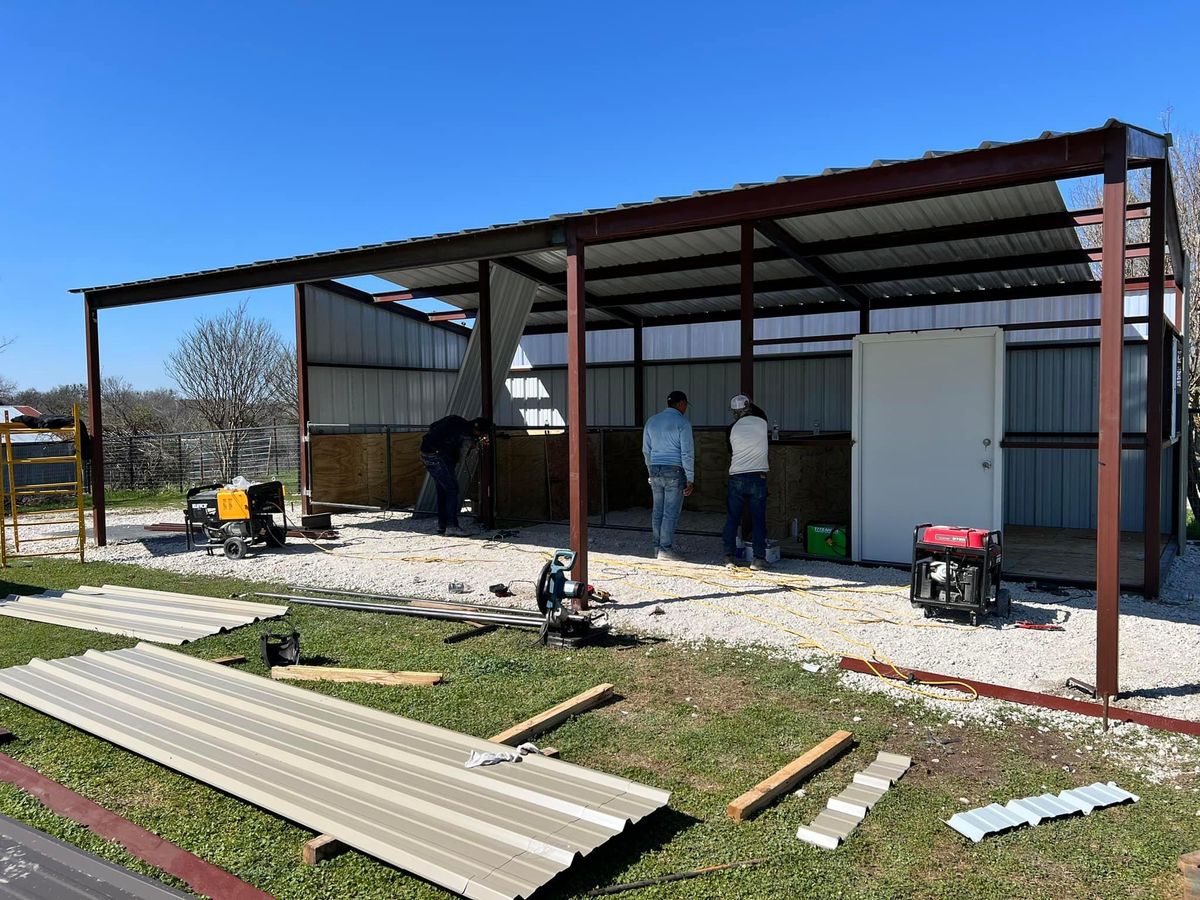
758 564
730 561
668 555
456 531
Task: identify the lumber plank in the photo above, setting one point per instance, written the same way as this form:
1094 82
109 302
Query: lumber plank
229 660
322 847
789 776
554 716
368 676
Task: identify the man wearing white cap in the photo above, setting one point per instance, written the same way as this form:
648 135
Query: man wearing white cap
748 466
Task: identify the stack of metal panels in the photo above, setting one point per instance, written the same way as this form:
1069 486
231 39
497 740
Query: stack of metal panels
162 616
977 824
388 786
843 812
35 865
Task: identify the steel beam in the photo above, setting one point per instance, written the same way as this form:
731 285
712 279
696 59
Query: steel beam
95 420
483 322
1108 495
813 265
577 406
639 376
746 290
302 396
1156 338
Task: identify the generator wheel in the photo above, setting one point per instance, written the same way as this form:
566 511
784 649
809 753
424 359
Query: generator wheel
276 535
974 619
235 548
1003 603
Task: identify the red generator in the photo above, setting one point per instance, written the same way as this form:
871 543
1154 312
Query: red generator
957 569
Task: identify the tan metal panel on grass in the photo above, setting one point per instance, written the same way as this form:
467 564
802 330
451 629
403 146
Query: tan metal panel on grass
388 786
152 615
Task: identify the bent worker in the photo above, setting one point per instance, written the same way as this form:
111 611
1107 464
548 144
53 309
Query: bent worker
440 451
671 463
748 467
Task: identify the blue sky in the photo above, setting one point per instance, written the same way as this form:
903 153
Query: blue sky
145 139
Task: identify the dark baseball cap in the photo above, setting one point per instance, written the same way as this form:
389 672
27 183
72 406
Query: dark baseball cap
676 397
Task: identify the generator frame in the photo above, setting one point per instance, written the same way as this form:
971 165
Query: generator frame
987 560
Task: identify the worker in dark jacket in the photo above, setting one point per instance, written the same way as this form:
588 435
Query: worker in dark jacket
441 449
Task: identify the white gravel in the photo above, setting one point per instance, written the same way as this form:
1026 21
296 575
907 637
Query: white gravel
844 609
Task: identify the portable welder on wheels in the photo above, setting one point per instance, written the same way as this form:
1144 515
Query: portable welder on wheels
234 518
957 569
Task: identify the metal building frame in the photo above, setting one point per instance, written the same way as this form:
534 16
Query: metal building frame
1111 150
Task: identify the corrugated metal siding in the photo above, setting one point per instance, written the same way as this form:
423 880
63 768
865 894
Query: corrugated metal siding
339 396
36 866
391 787
345 331
162 616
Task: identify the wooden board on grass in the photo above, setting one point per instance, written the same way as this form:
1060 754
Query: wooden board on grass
366 676
556 715
789 776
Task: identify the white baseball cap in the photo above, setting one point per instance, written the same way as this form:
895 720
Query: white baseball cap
740 401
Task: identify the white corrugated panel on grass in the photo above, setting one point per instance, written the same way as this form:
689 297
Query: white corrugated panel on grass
391 787
161 616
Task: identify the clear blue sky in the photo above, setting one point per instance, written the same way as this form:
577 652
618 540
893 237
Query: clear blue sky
145 139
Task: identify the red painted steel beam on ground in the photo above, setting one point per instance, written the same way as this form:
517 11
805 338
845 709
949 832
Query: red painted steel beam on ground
1156 338
577 455
746 311
302 396
201 876
95 420
1108 490
1029 698
483 322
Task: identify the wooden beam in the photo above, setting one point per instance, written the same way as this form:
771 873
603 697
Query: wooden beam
554 716
322 847
367 676
789 776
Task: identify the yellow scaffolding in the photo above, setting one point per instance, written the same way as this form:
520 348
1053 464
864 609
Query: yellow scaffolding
12 493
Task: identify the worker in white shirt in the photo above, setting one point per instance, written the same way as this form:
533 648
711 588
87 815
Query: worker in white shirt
748 466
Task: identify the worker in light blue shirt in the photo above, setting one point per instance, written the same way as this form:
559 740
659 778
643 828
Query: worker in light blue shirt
671 461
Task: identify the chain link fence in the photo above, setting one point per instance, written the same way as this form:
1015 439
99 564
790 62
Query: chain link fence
164 462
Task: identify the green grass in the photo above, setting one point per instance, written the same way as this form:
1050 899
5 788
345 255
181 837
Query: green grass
704 723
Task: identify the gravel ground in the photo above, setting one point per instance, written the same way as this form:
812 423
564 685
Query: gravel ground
799 607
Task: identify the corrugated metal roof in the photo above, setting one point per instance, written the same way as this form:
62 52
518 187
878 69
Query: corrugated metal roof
35 866
596 255
844 812
391 787
976 824
162 616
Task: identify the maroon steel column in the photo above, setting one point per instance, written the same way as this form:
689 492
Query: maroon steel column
302 398
747 264
639 378
95 421
487 392
577 405
864 318
1156 336
1108 495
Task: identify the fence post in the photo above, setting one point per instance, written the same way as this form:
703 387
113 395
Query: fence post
130 458
179 461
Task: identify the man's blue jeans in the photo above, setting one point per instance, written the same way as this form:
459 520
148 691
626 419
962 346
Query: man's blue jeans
446 482
751 489
666 484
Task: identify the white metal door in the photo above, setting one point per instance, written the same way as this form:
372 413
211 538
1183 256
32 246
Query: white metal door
927 422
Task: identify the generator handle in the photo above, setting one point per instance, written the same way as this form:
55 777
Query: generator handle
203 487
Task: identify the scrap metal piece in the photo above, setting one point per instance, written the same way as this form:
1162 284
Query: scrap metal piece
391 787
843 812
856 800
884 771
976 824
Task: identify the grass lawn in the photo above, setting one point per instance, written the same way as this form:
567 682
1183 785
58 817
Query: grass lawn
705 724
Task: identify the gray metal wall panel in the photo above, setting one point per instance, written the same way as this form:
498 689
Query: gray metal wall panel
377 396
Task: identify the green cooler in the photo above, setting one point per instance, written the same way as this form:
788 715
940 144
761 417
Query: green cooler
827 540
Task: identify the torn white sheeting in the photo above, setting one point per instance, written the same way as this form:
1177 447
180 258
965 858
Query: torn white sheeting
160 616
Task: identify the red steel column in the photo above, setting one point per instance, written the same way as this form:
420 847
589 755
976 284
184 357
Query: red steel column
639 378
1108 495
95 421
577 438
747 265
864 318
483 321
302 398
1156 337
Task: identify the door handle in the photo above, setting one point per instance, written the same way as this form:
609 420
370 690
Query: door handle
987 463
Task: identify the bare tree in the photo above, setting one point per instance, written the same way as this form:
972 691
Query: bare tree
230 370
1185 171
